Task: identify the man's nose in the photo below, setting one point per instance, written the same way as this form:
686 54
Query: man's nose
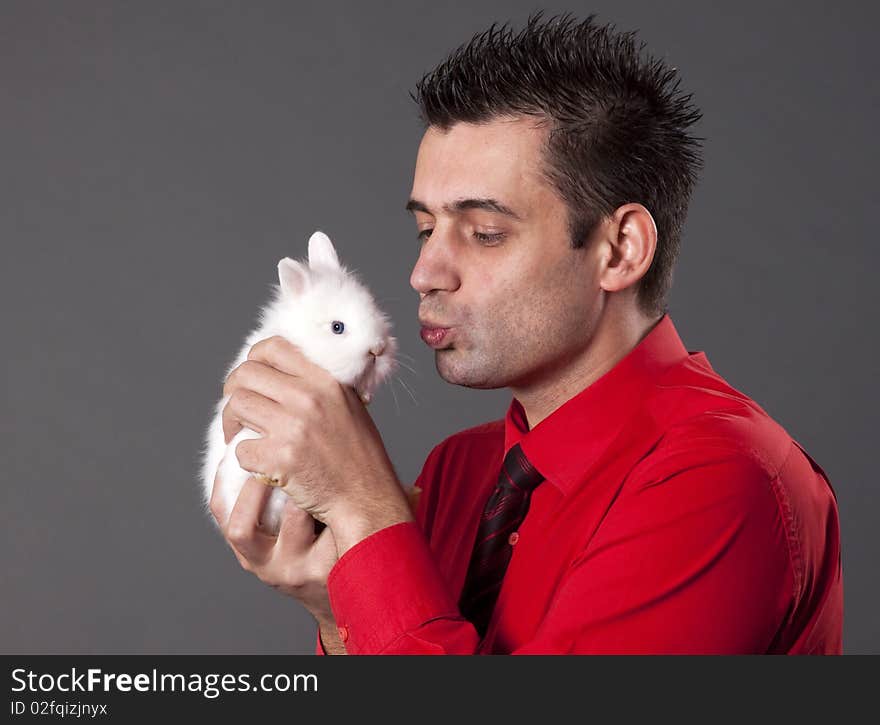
435 267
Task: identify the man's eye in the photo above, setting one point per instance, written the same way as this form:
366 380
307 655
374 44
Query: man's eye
489 238
483 238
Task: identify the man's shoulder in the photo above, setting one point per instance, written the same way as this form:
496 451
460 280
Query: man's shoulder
709 436
697 413
735 430
714 446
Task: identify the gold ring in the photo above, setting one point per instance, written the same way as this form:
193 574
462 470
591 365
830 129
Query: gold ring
268 480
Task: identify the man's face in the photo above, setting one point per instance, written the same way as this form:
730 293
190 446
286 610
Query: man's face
520 307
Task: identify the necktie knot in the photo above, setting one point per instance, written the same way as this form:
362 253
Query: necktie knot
519 470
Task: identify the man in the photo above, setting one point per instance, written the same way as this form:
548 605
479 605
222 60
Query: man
631 500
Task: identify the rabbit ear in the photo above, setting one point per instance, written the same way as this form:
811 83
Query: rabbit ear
292 275
321 251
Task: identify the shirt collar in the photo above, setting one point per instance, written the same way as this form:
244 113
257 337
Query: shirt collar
566 443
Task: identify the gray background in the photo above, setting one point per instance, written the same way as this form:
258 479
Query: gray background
157 159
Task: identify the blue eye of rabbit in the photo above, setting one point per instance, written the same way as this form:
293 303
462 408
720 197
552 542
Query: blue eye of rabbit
337 327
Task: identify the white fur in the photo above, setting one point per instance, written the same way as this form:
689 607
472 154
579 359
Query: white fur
307 301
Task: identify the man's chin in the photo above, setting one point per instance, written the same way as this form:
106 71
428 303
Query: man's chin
457 375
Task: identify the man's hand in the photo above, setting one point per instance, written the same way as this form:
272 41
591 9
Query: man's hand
318 441
296 562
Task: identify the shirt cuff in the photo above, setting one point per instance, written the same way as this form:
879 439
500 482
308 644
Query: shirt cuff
385 586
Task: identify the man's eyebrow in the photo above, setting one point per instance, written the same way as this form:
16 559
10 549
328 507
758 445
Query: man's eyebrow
460 205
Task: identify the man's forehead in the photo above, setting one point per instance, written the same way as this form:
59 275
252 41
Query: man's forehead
494 144
477 166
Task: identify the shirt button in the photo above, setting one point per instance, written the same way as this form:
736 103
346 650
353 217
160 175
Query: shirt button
343 633
513 538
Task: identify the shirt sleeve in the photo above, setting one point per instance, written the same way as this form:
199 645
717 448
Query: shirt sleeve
690 559
696 560
388 595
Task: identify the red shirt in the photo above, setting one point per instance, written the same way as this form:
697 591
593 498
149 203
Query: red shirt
676 517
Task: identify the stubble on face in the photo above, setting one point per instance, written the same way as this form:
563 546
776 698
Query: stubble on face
525 307
521 332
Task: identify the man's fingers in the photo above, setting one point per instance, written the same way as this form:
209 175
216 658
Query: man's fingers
245 564
259 377
297 531
231 427
252 410
215 504
242 530
283 355
305 556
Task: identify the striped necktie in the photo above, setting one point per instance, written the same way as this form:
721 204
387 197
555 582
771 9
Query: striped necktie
505 510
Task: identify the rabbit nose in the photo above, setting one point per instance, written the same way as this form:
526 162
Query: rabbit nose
377 350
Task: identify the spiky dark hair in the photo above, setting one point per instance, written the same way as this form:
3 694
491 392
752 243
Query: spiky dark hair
618 124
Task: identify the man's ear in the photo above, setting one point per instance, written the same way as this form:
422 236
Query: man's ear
633 247
292 276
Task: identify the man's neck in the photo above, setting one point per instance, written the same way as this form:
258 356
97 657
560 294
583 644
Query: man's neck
614 338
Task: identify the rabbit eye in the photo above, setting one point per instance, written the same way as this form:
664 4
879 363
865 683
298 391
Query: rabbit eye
337 327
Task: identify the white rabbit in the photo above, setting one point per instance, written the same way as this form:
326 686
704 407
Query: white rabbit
325 311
